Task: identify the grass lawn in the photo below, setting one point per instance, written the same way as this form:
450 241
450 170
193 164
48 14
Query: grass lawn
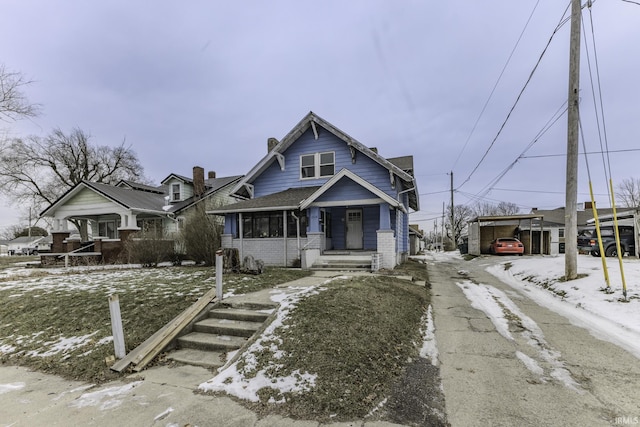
357 337
354 336
58 321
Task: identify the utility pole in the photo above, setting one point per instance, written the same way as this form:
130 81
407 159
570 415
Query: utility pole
453 236
573 114
442 226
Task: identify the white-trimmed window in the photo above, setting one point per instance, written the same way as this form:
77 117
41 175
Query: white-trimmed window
108 229
175 192
317 165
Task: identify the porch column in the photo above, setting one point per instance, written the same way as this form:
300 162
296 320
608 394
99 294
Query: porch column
385 217
387 248
314 219
58 245
128 221
60 225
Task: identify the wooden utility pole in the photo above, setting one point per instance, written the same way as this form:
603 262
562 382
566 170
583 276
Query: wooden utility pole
573 114
453 234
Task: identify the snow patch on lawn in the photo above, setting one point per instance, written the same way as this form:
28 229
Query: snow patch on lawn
63 345
243 379
429 348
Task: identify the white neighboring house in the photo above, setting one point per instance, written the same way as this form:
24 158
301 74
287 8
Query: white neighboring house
4 247
28 245
116 212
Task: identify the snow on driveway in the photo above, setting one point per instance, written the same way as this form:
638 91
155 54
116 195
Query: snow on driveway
607 316
501 310
584 302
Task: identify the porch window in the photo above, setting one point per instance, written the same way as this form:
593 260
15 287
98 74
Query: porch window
107 229
151 228
291 225
175 192
317 165
262 224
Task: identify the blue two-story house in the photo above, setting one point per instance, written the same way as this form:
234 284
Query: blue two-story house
319 191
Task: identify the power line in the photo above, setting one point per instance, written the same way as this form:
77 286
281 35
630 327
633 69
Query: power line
627 150
513 107
515 190
495 86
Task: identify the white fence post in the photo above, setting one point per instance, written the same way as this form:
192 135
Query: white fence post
116 326
219 268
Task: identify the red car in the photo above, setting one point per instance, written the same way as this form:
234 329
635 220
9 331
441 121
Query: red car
506 245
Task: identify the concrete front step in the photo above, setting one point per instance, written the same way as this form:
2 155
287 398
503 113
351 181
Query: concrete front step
342 262
227 327
238 314
192 356
204 341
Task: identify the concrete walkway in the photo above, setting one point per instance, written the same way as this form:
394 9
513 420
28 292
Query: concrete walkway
159 396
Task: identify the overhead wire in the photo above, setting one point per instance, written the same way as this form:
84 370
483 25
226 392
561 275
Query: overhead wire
513 107
537 156
495 86
548 125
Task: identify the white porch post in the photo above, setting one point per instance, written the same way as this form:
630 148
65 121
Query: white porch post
386 239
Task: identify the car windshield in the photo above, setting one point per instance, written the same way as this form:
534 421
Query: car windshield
506 240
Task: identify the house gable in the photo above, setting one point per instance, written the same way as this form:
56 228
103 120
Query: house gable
347 187
275 179
178 188
313 136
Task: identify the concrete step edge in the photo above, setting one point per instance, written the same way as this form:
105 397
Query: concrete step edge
195 357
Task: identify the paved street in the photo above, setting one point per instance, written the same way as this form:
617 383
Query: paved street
525 366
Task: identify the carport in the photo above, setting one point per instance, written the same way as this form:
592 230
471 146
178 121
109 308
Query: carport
483 229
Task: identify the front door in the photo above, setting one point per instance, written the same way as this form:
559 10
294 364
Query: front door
354 228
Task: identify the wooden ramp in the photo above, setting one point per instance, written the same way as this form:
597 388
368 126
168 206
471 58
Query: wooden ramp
148 350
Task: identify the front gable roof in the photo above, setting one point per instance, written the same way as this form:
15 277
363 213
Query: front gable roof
311 120
124 197
212 186
138 199
182 178
345 173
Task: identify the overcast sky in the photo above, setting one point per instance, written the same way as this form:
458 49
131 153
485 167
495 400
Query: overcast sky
207 82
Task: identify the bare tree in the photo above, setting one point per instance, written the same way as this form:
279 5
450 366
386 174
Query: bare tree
484 209
507 208
462 214
629 193
36 171
13 103
489 209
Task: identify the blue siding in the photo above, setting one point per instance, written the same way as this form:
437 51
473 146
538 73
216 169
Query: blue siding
337 218
370 224
273 179
345 190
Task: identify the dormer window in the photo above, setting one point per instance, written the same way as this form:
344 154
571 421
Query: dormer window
317 165
175 192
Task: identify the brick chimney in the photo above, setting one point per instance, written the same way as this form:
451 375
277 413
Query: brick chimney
198 181
212 175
